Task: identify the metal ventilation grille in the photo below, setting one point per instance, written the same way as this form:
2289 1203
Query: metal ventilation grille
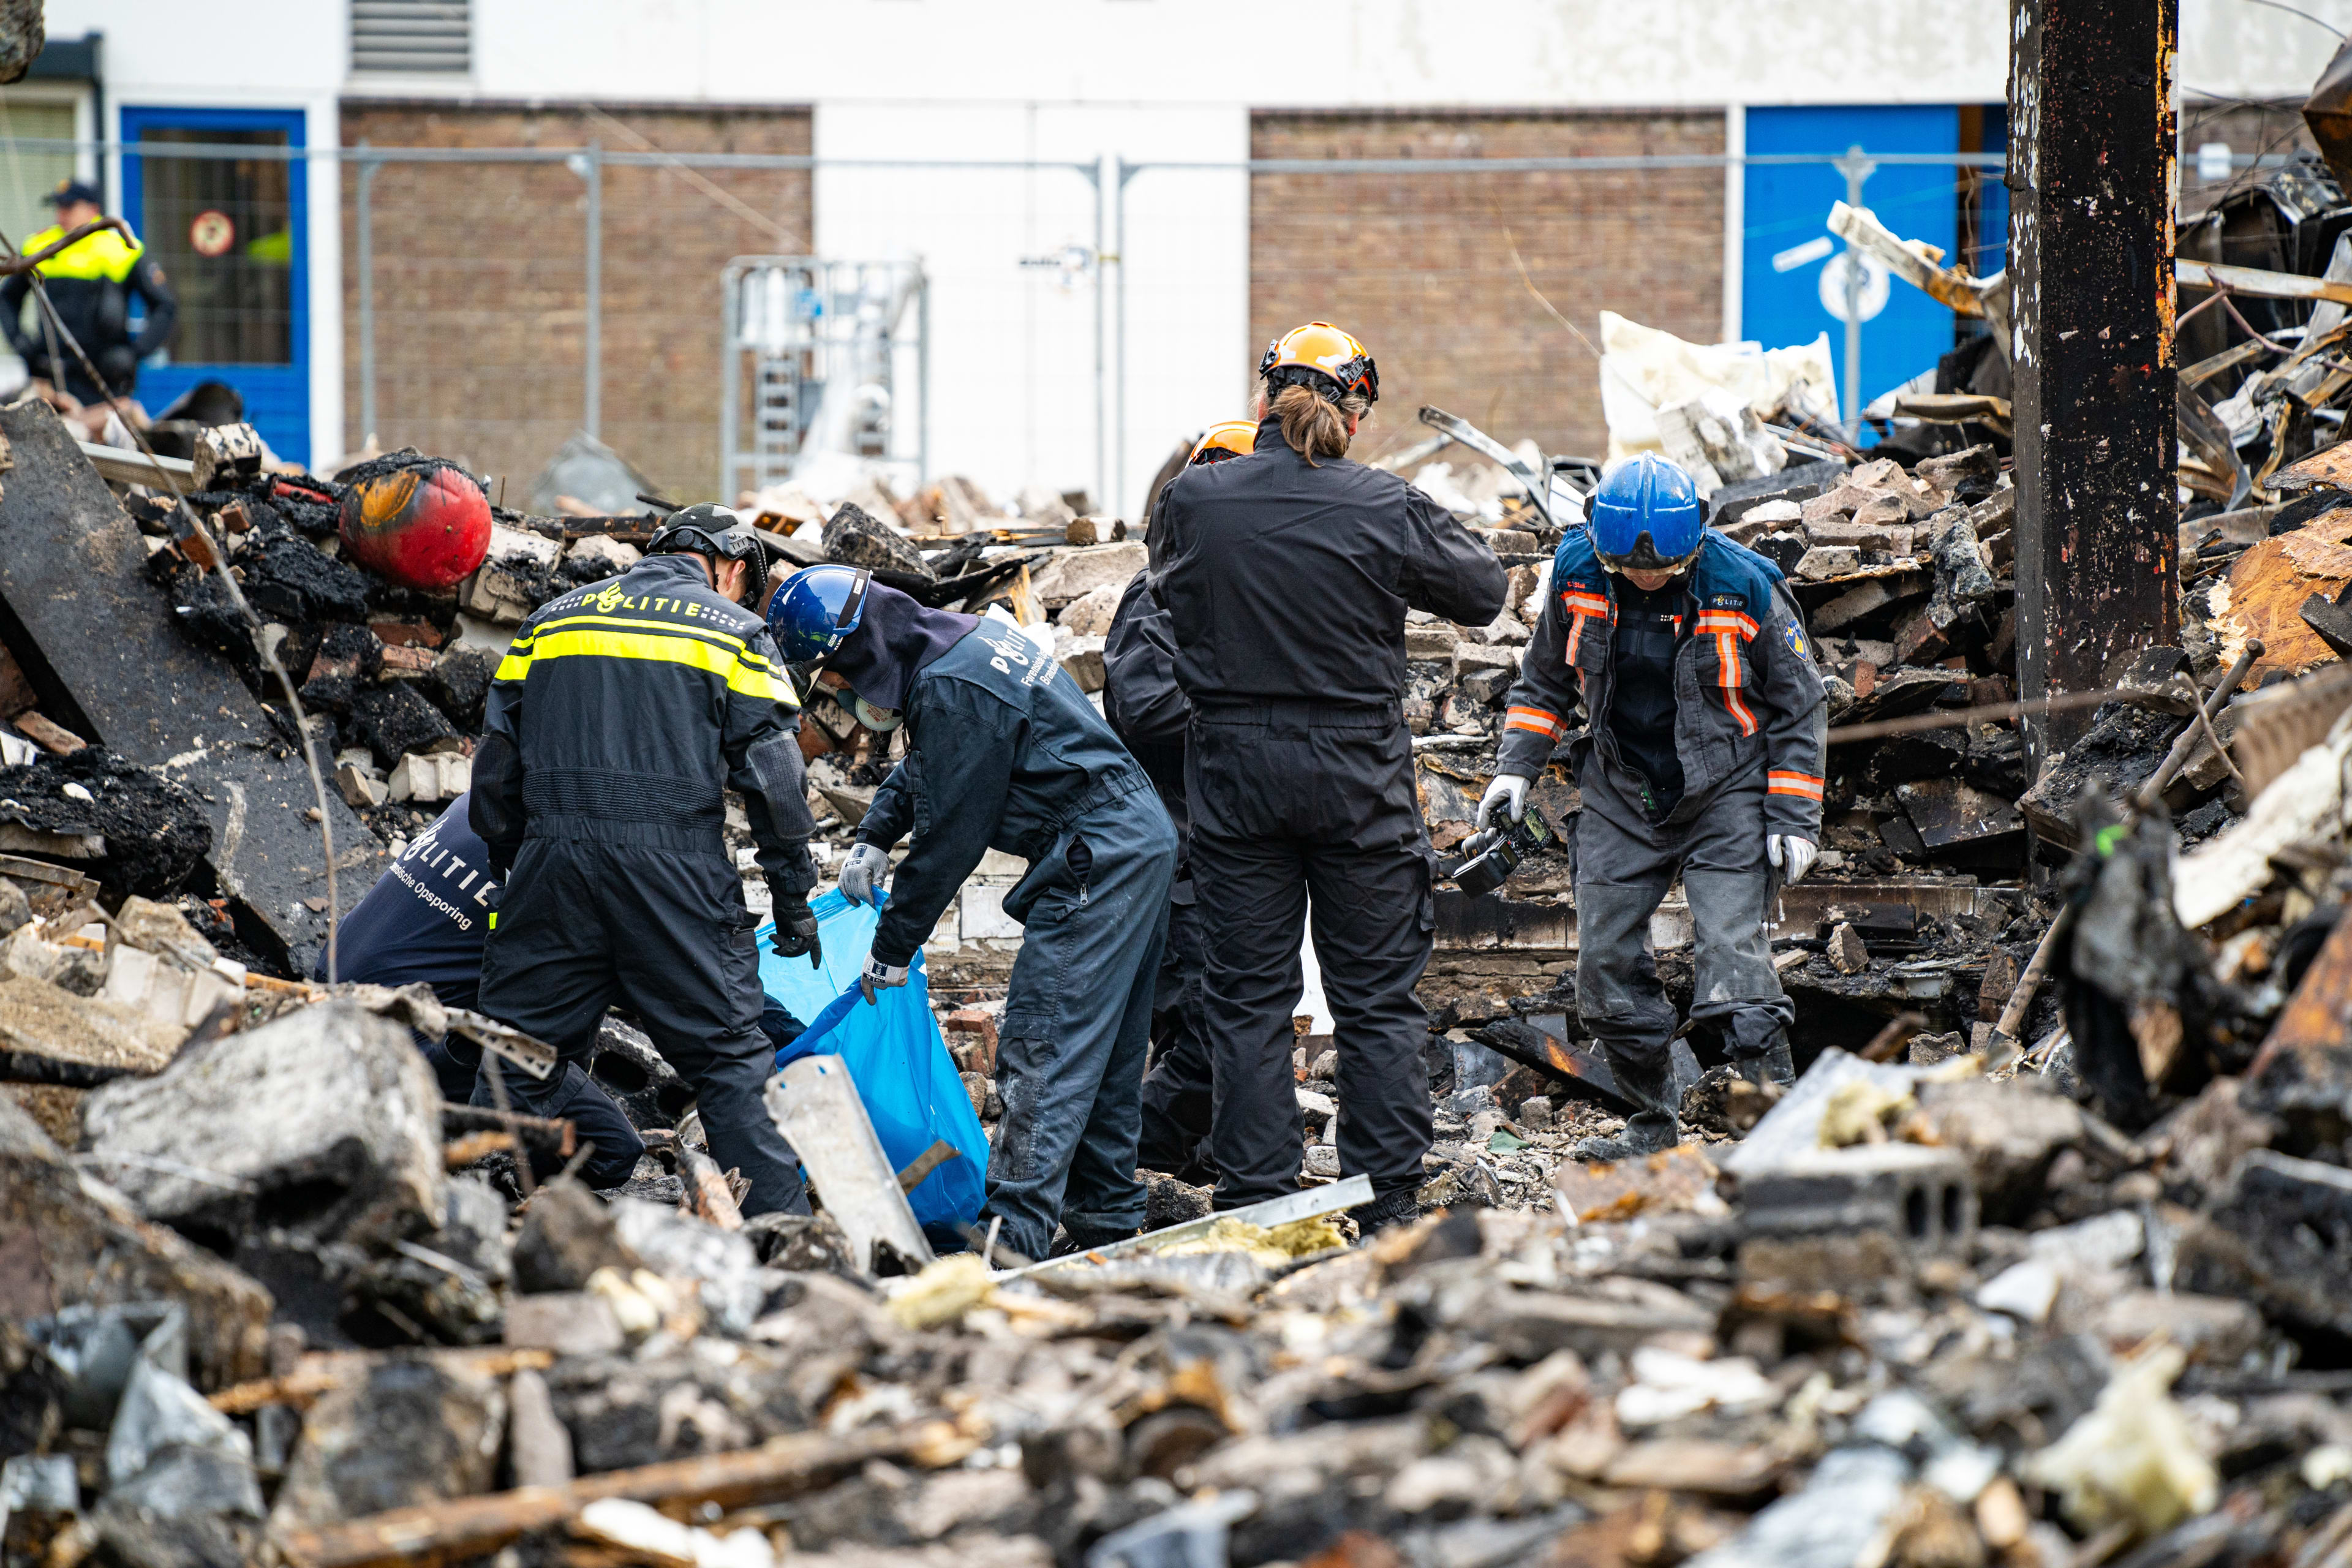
412 36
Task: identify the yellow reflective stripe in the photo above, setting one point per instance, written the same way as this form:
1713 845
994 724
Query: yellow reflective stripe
598 642
749 656
100 255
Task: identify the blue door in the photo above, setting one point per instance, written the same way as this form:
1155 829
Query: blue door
1788 209
232 236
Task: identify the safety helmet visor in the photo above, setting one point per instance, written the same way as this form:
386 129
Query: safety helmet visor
1646 516
814 611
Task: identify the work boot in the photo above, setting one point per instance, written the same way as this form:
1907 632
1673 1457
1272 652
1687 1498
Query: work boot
1398 1207
1087 1237
1758 1042
1773 1065
1657 1124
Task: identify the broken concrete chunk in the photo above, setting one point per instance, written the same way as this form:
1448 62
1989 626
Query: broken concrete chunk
1082 658
407 1434
569 1322
361 786
427 779
855 537
69 1240
2255 1241
1072 575
1089 615
567 1235
1846 954
606 555
2008 1133
394 720
1885 539
325 1123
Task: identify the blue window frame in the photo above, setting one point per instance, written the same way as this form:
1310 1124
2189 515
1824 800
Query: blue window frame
1787 204
232 236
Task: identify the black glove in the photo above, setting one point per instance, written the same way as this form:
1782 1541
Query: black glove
796 928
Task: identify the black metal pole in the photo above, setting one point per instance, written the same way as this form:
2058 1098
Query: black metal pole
2092 148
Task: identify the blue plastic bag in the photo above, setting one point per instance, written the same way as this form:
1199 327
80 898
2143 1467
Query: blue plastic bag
894 1053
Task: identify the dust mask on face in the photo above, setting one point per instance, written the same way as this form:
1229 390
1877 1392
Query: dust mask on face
880 720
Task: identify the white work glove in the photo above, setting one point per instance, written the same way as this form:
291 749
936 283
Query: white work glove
880 976
1511 788
1790 856
862 874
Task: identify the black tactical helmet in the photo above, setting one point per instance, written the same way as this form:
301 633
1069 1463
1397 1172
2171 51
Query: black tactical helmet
709 530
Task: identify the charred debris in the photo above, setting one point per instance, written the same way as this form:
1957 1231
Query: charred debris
2037 1263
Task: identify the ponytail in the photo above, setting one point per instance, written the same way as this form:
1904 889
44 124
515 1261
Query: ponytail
1314 424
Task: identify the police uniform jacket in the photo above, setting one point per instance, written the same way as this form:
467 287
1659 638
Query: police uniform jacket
1003 753
91 282
623 709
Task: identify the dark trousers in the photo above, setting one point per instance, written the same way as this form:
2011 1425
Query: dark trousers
1624 864
1287 800
457 1063
1077 1018
585 924
1177 1090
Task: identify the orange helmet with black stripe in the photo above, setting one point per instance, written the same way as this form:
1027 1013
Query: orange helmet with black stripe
1320 349
1232 438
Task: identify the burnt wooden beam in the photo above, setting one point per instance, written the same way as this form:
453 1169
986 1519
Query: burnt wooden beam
2092 146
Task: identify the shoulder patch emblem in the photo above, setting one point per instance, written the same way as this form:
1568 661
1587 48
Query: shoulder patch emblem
1796 640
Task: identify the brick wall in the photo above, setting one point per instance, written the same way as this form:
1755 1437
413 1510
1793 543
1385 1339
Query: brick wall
480 284
2272 128
1419 267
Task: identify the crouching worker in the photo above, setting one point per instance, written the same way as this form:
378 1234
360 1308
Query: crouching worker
619 718
426 920
1005 752
1701 756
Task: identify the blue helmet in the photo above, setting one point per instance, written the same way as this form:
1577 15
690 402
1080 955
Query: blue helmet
815 609
1645 515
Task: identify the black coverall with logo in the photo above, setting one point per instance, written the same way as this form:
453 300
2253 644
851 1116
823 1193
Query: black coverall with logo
1286 585
618 717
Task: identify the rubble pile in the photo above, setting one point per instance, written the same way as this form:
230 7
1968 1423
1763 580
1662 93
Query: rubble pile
2016 1273
267 1302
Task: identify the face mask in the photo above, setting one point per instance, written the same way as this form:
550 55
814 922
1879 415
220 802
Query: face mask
879 720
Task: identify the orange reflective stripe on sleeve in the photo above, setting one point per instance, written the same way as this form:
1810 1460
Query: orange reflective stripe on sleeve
1534 721
1730 629
1581 607
1782 782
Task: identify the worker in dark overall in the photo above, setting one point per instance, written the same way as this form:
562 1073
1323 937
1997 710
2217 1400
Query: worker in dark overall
90 283
426 920
1004 752
621 713
1700 758
1286 575
1148 712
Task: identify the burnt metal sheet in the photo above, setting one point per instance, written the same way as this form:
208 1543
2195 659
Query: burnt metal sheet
95 640
2303 1071
1542 1041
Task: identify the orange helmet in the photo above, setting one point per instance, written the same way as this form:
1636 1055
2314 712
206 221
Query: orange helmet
1233 438
1320 349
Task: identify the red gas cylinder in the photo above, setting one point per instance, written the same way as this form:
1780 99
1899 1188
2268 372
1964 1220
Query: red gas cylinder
426 527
